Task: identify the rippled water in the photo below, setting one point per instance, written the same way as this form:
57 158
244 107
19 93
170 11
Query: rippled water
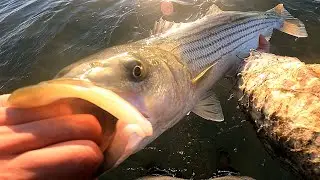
39 37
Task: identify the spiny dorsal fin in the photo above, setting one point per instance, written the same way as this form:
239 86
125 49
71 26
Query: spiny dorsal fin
163 26
209 108
213 10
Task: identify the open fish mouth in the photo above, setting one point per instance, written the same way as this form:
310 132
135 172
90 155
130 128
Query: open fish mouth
124 127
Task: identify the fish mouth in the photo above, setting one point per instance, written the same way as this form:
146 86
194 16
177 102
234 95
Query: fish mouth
123 126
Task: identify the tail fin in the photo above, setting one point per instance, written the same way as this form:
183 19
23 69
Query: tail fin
291 25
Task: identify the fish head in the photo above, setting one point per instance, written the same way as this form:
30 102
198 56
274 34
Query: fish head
142 77
140 90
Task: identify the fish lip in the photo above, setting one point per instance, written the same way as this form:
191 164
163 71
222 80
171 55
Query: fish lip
137 123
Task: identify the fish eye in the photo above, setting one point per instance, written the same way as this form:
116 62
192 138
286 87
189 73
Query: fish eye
137 71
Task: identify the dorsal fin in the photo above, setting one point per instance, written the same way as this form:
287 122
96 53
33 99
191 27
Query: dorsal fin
213 10
183 2
163 26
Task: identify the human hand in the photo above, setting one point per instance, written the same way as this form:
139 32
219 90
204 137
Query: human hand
264 45
50 142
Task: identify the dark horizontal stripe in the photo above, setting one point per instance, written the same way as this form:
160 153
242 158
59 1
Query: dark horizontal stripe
228 44
224 37
215 33
234 48
223 18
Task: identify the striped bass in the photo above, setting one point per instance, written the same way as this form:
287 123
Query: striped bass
149 85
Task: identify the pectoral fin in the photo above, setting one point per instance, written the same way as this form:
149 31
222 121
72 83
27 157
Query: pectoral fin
209 108
202 74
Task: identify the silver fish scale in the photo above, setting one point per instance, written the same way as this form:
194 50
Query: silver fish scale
210 23
230 38
208 43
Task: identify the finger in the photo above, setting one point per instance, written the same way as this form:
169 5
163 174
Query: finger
3 99
264 45
25 137
13 116
68 160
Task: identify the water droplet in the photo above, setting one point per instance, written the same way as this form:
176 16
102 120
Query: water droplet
151 148
181 152
235 150
230 97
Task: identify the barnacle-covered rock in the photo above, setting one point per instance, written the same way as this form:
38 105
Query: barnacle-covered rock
282 97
